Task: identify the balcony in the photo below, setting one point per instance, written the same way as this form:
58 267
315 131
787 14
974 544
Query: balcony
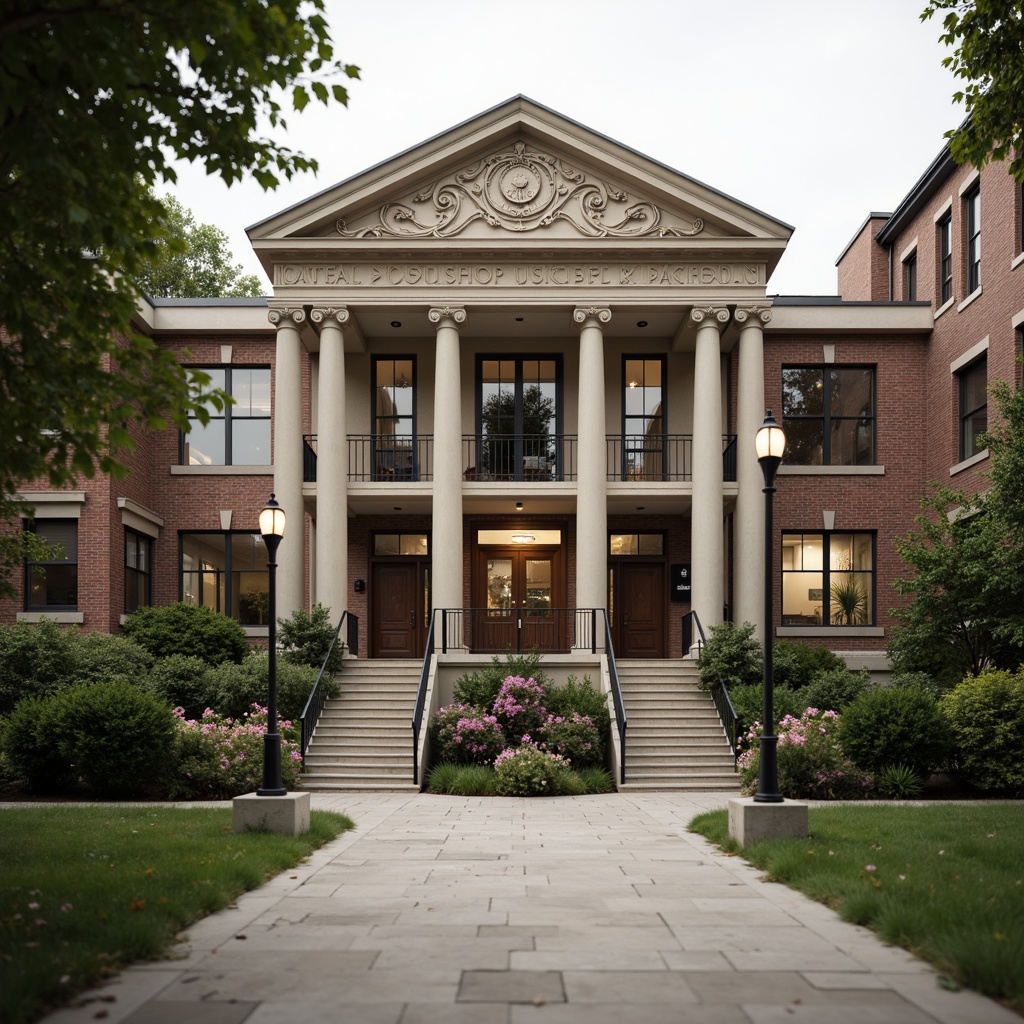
377 458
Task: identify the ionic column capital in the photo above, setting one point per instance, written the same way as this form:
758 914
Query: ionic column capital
277 314
755 314
602 314
455 314
699 314
330 315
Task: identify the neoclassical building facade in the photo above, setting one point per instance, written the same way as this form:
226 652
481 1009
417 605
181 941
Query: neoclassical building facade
515 373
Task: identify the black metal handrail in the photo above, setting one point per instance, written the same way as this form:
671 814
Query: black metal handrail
719 691
387 458
528 457
318 697
649 458
613 682
421 699
514 629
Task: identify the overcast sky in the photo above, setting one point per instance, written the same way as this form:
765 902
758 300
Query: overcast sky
815 112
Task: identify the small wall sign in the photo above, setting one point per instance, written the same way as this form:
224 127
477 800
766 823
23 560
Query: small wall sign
680 582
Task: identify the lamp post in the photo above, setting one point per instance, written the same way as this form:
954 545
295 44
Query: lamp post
272 520
770 444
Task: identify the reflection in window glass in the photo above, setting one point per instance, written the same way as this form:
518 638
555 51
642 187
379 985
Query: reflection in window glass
643 425
400 544
53 584
227 572
238 434
636 544
828 415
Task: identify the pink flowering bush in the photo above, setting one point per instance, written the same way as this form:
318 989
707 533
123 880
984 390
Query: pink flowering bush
573 736
464 735
527 770
219 758
520 707
812 764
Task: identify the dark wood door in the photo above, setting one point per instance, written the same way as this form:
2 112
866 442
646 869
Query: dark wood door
515 603
639 603
397 612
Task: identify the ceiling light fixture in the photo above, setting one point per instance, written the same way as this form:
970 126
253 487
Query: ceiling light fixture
396 323
523 538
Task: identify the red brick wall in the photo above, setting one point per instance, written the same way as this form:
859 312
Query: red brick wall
863 270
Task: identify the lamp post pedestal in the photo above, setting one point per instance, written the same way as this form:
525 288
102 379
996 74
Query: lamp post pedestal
288 814
751 820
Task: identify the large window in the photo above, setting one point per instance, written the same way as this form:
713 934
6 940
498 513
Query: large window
238 434
972 205
828 413
973 381
227 572
394 418
945 242
52 585
138 558
828 579
643 418
518 418
910 278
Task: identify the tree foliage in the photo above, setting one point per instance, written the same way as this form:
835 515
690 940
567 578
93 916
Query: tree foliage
193 261
988 36
97 102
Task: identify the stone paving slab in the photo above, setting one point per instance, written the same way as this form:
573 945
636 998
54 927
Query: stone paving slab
573 910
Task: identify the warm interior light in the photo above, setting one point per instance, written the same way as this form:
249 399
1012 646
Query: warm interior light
770 440
523 538
272 519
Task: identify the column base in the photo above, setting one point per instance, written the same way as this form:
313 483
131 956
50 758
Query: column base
750 821
288 814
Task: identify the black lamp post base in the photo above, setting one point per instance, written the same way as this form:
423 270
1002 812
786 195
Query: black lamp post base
272 785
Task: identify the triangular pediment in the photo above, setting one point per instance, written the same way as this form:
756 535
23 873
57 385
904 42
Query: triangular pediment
519 176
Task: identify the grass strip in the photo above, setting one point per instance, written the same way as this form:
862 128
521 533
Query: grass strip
87 890
944 881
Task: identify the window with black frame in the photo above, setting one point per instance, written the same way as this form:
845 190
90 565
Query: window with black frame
643 418
138 558
973 386
828 579
972 205
52 584
394 419
238 434
944 230
828 413
227 572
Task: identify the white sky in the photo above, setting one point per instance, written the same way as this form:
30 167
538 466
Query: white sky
815 112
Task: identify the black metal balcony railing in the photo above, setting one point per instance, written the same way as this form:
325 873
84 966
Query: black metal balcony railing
532 458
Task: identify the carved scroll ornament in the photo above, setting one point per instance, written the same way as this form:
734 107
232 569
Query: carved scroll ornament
522 190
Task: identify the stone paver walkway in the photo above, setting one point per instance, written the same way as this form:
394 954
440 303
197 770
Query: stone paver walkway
462 910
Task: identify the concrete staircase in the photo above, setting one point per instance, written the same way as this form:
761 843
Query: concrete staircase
363 741
674 737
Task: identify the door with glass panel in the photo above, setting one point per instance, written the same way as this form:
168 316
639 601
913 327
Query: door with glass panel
399 595
394 453
516 604
643 419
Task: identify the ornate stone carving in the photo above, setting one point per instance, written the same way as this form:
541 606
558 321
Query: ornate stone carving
583 313
294 313
522 190
339 314
700 313
754 313
454 313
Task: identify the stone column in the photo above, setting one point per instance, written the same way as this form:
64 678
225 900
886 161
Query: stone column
446 538
707 533
331 465
288 457
591 463
748 534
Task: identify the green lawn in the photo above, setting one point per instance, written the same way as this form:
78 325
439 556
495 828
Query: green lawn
86 890
945 881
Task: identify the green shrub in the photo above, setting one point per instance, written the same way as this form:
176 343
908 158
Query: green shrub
596 780
748 703
187 629
473 780
899 781
441 777
102 658
528 771
574 736
904 679
35 659
480 688
306 638
181 681
886 726
834 689
231 690
31 755
986 716
117 738
733 654
795 665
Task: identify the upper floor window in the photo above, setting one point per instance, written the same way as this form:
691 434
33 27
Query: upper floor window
52 585
394 418
227 572
972 203
945 241
910 278
828 413
138 590
636 544
828 579
973 382
643 418
238 434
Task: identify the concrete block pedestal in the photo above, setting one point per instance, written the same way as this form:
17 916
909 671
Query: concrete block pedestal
750 820
288 814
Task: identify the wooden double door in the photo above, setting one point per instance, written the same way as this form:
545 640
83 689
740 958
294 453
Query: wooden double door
637 602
